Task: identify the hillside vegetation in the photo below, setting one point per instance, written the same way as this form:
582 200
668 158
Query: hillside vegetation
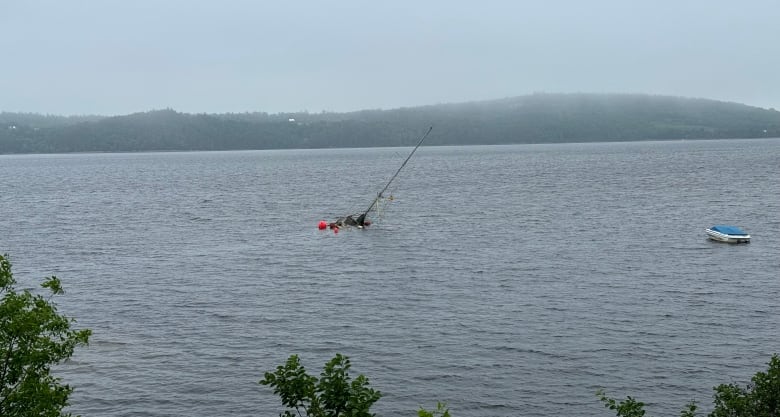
537 118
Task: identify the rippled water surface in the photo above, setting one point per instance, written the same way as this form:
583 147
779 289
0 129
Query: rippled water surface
505 280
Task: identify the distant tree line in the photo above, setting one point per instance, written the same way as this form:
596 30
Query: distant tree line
537 118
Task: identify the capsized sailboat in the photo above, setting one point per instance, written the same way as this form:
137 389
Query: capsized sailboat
361 220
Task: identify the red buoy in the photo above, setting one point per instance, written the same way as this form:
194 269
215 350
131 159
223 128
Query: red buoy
322 225
335 230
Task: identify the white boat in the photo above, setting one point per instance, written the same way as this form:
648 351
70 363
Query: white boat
728 234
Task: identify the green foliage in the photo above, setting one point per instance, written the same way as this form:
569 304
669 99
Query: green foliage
630 407
33 337
626 408
334 394
760 398
689 410
440 411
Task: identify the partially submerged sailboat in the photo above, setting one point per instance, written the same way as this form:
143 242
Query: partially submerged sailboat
361 220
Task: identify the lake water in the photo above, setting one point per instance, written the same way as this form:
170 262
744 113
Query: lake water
503 280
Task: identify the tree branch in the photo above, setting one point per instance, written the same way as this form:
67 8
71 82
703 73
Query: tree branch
6 361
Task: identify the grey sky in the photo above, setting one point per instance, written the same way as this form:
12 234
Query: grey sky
123 56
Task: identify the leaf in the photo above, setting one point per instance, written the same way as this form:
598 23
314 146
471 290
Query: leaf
54 284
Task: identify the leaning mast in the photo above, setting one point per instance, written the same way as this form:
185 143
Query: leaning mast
362 217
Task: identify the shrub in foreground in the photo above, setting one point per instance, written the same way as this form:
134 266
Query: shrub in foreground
33 337
759 398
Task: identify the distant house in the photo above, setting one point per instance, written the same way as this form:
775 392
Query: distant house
291 120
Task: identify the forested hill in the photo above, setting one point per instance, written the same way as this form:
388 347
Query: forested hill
538 118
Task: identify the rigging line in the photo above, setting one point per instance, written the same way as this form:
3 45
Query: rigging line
378 196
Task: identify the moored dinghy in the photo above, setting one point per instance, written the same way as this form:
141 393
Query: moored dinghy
728 234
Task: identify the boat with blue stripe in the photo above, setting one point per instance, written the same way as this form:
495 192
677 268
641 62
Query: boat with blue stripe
728 234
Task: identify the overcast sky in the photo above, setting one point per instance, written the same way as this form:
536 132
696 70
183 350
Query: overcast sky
122 56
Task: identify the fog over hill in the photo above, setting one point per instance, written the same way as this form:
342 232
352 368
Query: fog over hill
537 118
